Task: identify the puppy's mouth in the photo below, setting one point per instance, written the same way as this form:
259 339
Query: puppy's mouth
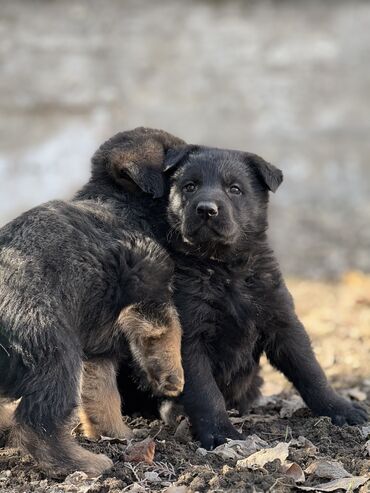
205 233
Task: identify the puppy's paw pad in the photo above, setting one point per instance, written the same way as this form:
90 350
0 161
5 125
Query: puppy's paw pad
173 385
166 381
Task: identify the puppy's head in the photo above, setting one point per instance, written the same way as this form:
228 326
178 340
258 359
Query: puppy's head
218 198
134 159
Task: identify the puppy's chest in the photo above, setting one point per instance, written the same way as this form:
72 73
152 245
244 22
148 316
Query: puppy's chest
218 307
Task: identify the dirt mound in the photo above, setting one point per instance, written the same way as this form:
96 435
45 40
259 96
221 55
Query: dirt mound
290 446
287 448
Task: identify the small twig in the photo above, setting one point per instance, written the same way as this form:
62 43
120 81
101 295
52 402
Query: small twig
165 469
287 432
158 432
133 470
5 350
271 434
279 480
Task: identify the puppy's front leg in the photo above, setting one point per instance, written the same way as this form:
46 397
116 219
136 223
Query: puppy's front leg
154 334
203 400
289 350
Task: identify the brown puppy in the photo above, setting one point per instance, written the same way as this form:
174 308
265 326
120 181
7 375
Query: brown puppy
86 280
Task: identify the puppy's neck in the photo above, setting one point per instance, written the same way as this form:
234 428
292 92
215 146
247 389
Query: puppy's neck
236 254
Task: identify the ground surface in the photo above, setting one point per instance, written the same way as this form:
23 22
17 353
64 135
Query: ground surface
338 319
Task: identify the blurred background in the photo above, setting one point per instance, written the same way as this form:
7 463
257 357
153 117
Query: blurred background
289 80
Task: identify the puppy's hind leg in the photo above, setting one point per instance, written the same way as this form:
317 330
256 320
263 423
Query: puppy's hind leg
50 393
244 391
100 412
6 419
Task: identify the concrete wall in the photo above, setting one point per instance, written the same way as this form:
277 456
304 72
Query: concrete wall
288 80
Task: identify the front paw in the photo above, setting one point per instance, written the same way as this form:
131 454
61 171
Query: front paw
342 412
164 378
346 413
211 435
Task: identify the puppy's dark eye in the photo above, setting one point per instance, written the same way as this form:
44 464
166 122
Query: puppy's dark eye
234 189
190 187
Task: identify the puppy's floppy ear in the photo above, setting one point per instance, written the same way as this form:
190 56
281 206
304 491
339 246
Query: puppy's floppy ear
135 159
174 157
266 172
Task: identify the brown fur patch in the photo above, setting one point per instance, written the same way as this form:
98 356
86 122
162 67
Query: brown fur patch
143 146
59 455
6 419
156 346
100 413
127 155
6 414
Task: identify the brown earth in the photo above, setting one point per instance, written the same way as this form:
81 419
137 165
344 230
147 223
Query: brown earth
338 318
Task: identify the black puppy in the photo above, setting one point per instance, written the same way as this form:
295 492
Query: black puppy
230 294
82 280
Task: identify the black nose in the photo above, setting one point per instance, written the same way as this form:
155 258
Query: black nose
207 209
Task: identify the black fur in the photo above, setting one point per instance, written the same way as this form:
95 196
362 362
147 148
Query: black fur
230 295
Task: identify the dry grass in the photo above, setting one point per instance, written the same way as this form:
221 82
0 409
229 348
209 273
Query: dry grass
337 317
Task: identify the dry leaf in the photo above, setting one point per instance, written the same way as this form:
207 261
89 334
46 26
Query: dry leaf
140 452
76 478
177 489
238 449
140 433
252 418
328 469
367 448
293 470
290 406
259 459
365 431
354 393
152 477
239 420
136 488
364 489
112 440
347 484
306 444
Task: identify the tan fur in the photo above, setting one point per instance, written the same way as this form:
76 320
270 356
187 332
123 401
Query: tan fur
143 147
156 347
7 409
6 415
100 413
59 455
